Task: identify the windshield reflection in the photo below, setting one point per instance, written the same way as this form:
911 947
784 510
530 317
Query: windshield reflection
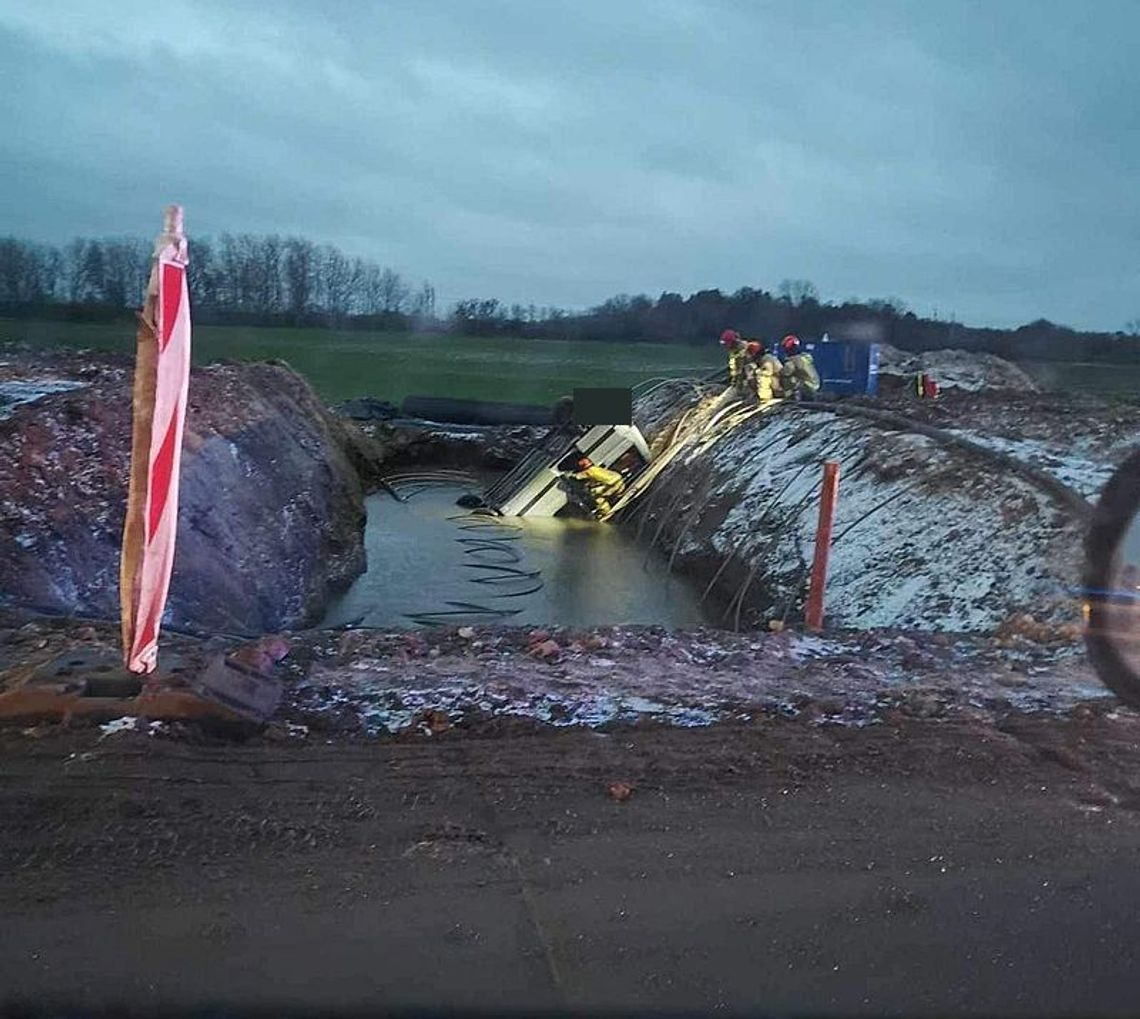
1122 611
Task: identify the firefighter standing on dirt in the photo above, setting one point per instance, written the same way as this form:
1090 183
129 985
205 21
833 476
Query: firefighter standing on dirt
737 360
764 369
601 483
798 375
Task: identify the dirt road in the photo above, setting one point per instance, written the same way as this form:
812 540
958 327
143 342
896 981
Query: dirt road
920 866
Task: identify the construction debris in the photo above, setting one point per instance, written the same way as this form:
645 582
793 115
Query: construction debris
620 791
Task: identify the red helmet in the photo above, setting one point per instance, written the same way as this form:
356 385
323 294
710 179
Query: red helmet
754 349
790 344
729 337
585 463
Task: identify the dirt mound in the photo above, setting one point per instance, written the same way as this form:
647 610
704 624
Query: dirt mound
908 549
956 369
271 513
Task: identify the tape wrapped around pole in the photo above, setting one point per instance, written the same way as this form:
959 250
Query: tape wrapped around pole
161 384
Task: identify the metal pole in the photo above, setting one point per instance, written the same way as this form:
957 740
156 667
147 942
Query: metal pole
829 493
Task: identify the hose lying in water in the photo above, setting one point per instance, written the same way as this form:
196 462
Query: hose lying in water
510 555
486 541
505 573
462 610
438 477
407 484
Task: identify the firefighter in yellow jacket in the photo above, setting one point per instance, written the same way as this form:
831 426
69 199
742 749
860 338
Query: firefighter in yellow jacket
601 483
798 375
738 378
765 370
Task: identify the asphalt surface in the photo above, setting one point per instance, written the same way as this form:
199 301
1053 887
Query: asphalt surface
924 867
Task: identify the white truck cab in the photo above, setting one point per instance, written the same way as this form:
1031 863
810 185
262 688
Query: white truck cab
532 488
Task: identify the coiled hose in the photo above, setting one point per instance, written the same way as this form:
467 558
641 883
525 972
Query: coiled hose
489 552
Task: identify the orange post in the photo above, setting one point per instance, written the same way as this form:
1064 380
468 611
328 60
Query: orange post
828 495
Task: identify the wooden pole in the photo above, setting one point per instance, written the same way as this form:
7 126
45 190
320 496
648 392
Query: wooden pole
829 494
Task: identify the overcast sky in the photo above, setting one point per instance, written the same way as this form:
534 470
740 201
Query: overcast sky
981 159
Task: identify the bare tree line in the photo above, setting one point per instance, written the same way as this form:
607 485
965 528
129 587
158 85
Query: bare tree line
793 307
252 276
270 279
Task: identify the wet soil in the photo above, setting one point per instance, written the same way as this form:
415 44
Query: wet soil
931 866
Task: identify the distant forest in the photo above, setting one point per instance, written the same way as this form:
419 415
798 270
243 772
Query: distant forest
238 278
272 280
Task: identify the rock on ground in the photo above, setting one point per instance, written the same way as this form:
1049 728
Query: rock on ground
271 511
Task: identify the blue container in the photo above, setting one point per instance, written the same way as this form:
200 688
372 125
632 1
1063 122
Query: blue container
846 368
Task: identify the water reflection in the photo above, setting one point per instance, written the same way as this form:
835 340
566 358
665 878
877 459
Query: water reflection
591 574
1123 612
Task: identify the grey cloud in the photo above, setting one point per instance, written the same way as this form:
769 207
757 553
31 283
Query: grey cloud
976 157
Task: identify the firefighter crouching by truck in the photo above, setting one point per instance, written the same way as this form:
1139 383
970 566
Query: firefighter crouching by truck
798 376
764 370
601 485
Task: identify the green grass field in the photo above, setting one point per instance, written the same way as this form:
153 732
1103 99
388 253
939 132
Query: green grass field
342 364
1107 379
394 365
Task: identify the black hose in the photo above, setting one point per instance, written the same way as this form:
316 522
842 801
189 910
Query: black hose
1070 498
391 491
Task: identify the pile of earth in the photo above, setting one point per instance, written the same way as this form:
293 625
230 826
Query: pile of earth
927 536
1077 437
271 512
952 368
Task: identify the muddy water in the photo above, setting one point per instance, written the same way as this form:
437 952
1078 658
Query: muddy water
430 562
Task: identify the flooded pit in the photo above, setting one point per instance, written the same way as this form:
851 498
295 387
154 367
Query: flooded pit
433 563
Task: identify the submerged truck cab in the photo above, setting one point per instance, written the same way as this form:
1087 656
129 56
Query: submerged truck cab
533 487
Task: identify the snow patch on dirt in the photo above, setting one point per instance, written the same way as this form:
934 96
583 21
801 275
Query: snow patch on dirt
1078 472
14 393
922 538
693 679
130 723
